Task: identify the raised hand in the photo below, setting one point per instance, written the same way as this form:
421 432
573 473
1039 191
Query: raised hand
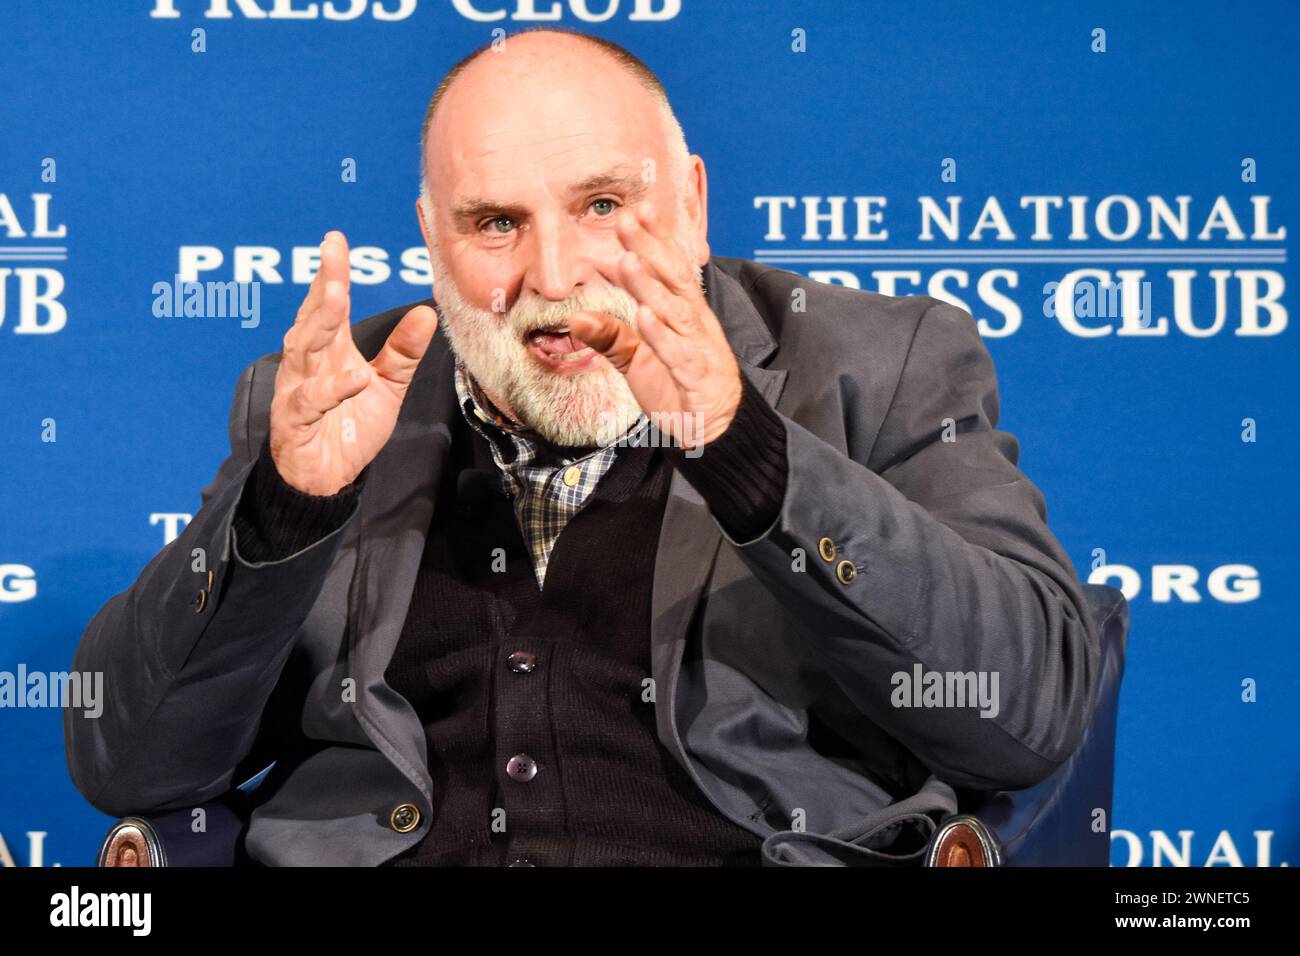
678 362
333 411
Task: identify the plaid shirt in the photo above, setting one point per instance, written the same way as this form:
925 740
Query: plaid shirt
546 488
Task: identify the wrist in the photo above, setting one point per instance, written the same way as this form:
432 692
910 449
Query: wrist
741 474
307 485
704 430
275 519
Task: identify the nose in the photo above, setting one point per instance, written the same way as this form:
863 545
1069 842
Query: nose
559 262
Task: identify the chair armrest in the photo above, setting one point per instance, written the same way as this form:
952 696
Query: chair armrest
1054 823
177 838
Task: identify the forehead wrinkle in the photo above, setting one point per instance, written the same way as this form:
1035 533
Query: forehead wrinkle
549 119
520 127
552 143
518 158
549 151
574 164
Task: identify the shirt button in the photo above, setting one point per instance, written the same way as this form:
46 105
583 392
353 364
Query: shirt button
521 767
405 818
571 475
522 662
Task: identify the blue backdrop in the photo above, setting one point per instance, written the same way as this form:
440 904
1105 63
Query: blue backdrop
1165 443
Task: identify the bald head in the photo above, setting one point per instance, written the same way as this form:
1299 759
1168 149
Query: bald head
550 59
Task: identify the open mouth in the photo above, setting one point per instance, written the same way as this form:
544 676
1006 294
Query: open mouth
558 348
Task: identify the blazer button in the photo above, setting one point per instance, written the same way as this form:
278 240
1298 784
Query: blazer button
845 571
405 818
521 767
826 547
200 601
522 662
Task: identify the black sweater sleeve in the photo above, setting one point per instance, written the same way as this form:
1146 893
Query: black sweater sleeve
275 520
742 473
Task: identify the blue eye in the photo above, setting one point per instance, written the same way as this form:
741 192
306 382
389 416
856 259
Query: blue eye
496 223
608 202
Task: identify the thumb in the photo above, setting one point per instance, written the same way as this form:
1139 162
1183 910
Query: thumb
607 335
406 345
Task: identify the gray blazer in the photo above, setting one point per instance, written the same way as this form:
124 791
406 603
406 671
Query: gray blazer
908 538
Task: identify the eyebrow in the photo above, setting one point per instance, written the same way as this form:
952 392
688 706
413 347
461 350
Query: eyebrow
620 179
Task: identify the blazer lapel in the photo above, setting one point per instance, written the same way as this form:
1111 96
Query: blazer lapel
395 510
689 538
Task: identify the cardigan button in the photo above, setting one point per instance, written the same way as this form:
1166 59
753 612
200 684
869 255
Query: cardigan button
522 662
521 767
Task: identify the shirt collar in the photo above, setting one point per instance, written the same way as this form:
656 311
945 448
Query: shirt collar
476 406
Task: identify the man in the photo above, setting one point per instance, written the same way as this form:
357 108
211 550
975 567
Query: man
626 567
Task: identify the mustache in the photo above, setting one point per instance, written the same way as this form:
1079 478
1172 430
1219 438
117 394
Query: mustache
534 314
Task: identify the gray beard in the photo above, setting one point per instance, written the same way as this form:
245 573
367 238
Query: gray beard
574 409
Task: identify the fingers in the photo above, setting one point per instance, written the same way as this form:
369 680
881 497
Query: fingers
681 356
678 353
607 335
314 292
664 348
322 327
672 309
309 401
651 381
334 265
655 270
322 322
665 322
406 345
641 232
335 259
308 343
